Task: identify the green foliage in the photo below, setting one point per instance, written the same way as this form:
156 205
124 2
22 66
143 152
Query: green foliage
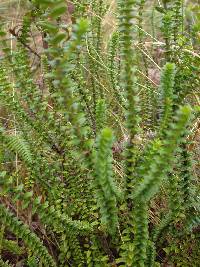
167 96
17 144
22 231
99 134
114 67
4 263
100 114
106 191
163 157
129 84
12 246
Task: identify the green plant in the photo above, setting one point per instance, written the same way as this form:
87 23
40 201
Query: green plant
98 157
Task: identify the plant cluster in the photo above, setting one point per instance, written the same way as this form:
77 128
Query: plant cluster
99 135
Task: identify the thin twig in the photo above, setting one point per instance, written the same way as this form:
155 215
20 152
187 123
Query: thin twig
24 44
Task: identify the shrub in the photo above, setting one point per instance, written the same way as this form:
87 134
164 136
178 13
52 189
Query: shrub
97 153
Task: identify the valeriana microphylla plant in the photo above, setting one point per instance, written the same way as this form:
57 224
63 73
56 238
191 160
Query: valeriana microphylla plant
99 129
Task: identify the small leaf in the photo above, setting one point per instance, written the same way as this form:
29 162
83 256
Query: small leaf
58 38
160 9
50 27
58 11
28 195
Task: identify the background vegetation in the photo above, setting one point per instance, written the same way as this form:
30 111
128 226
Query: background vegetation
99 129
